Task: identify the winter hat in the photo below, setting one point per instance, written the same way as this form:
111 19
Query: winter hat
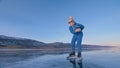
70 19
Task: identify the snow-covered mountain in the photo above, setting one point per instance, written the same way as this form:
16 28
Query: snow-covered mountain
14 41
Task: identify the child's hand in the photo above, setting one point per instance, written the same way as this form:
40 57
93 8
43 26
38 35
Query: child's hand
78 30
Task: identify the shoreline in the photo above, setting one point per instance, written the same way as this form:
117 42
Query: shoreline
49 51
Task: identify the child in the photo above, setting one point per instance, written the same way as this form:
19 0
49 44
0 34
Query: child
76 30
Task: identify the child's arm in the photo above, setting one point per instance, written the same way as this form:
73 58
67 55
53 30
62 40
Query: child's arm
78 30
81 26
71 30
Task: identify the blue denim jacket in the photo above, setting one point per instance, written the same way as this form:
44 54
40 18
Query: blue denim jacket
74 27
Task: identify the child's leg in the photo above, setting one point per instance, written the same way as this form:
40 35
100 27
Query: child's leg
79 41
74 38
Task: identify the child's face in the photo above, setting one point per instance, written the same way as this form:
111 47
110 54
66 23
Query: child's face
71 23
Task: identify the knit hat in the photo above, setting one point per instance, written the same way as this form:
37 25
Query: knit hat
70 19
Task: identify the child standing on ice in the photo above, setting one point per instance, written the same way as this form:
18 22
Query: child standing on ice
76 30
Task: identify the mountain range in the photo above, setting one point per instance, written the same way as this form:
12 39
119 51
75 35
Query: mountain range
14 42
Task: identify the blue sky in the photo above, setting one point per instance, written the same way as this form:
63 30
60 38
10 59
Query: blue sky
46 20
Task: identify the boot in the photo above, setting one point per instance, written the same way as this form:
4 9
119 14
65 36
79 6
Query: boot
79 55
72 54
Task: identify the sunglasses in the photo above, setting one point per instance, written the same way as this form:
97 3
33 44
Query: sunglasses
70 21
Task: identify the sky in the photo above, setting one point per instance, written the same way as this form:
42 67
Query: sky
47 20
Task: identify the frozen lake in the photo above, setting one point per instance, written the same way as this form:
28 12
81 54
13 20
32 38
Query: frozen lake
91 59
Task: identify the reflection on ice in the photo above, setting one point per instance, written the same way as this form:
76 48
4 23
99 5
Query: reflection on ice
91 59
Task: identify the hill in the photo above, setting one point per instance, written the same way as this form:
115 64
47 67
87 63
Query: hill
20 43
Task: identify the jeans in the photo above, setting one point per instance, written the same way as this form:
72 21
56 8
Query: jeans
77 38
